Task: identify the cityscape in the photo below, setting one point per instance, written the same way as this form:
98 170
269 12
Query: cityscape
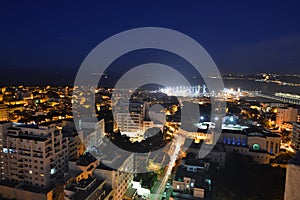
82 122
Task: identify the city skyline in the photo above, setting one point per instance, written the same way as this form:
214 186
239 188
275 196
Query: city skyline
107 100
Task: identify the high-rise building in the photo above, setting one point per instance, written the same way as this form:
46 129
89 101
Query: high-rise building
33 155
129 124
3 112
289 114
133 106
292 178
120 177
296 136
75 145
3 130
132 119
94 139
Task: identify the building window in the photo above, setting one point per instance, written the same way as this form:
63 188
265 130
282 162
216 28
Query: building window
271 147
244 142
233 141
228 142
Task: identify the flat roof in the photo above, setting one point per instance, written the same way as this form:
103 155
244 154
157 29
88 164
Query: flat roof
118 160
27 187
104 167
198 176
84 194
86 159
260 132
30 137
234 131
195 162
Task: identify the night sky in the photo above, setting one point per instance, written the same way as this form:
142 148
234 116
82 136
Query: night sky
46 42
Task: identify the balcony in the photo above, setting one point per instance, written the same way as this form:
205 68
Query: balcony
37 156
48 149
48 155
56 144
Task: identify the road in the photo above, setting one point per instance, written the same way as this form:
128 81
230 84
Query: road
158 191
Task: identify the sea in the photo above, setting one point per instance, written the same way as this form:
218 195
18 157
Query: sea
265 88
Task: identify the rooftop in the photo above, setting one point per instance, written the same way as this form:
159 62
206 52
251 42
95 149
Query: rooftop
195 162
118 160
30 188
90 188
260 132
233 131
86 159
30 137
198 176
104 167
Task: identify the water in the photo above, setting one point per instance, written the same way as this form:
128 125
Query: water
266 88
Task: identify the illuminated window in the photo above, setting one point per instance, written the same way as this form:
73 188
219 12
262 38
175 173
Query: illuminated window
229 142
233 141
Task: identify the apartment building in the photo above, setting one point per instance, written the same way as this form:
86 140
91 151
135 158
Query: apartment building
33 155
296 136
288 114
120 176
3 112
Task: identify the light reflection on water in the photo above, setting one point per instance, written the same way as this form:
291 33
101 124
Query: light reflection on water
266 88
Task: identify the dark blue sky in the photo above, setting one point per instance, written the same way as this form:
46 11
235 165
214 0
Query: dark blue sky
39 39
